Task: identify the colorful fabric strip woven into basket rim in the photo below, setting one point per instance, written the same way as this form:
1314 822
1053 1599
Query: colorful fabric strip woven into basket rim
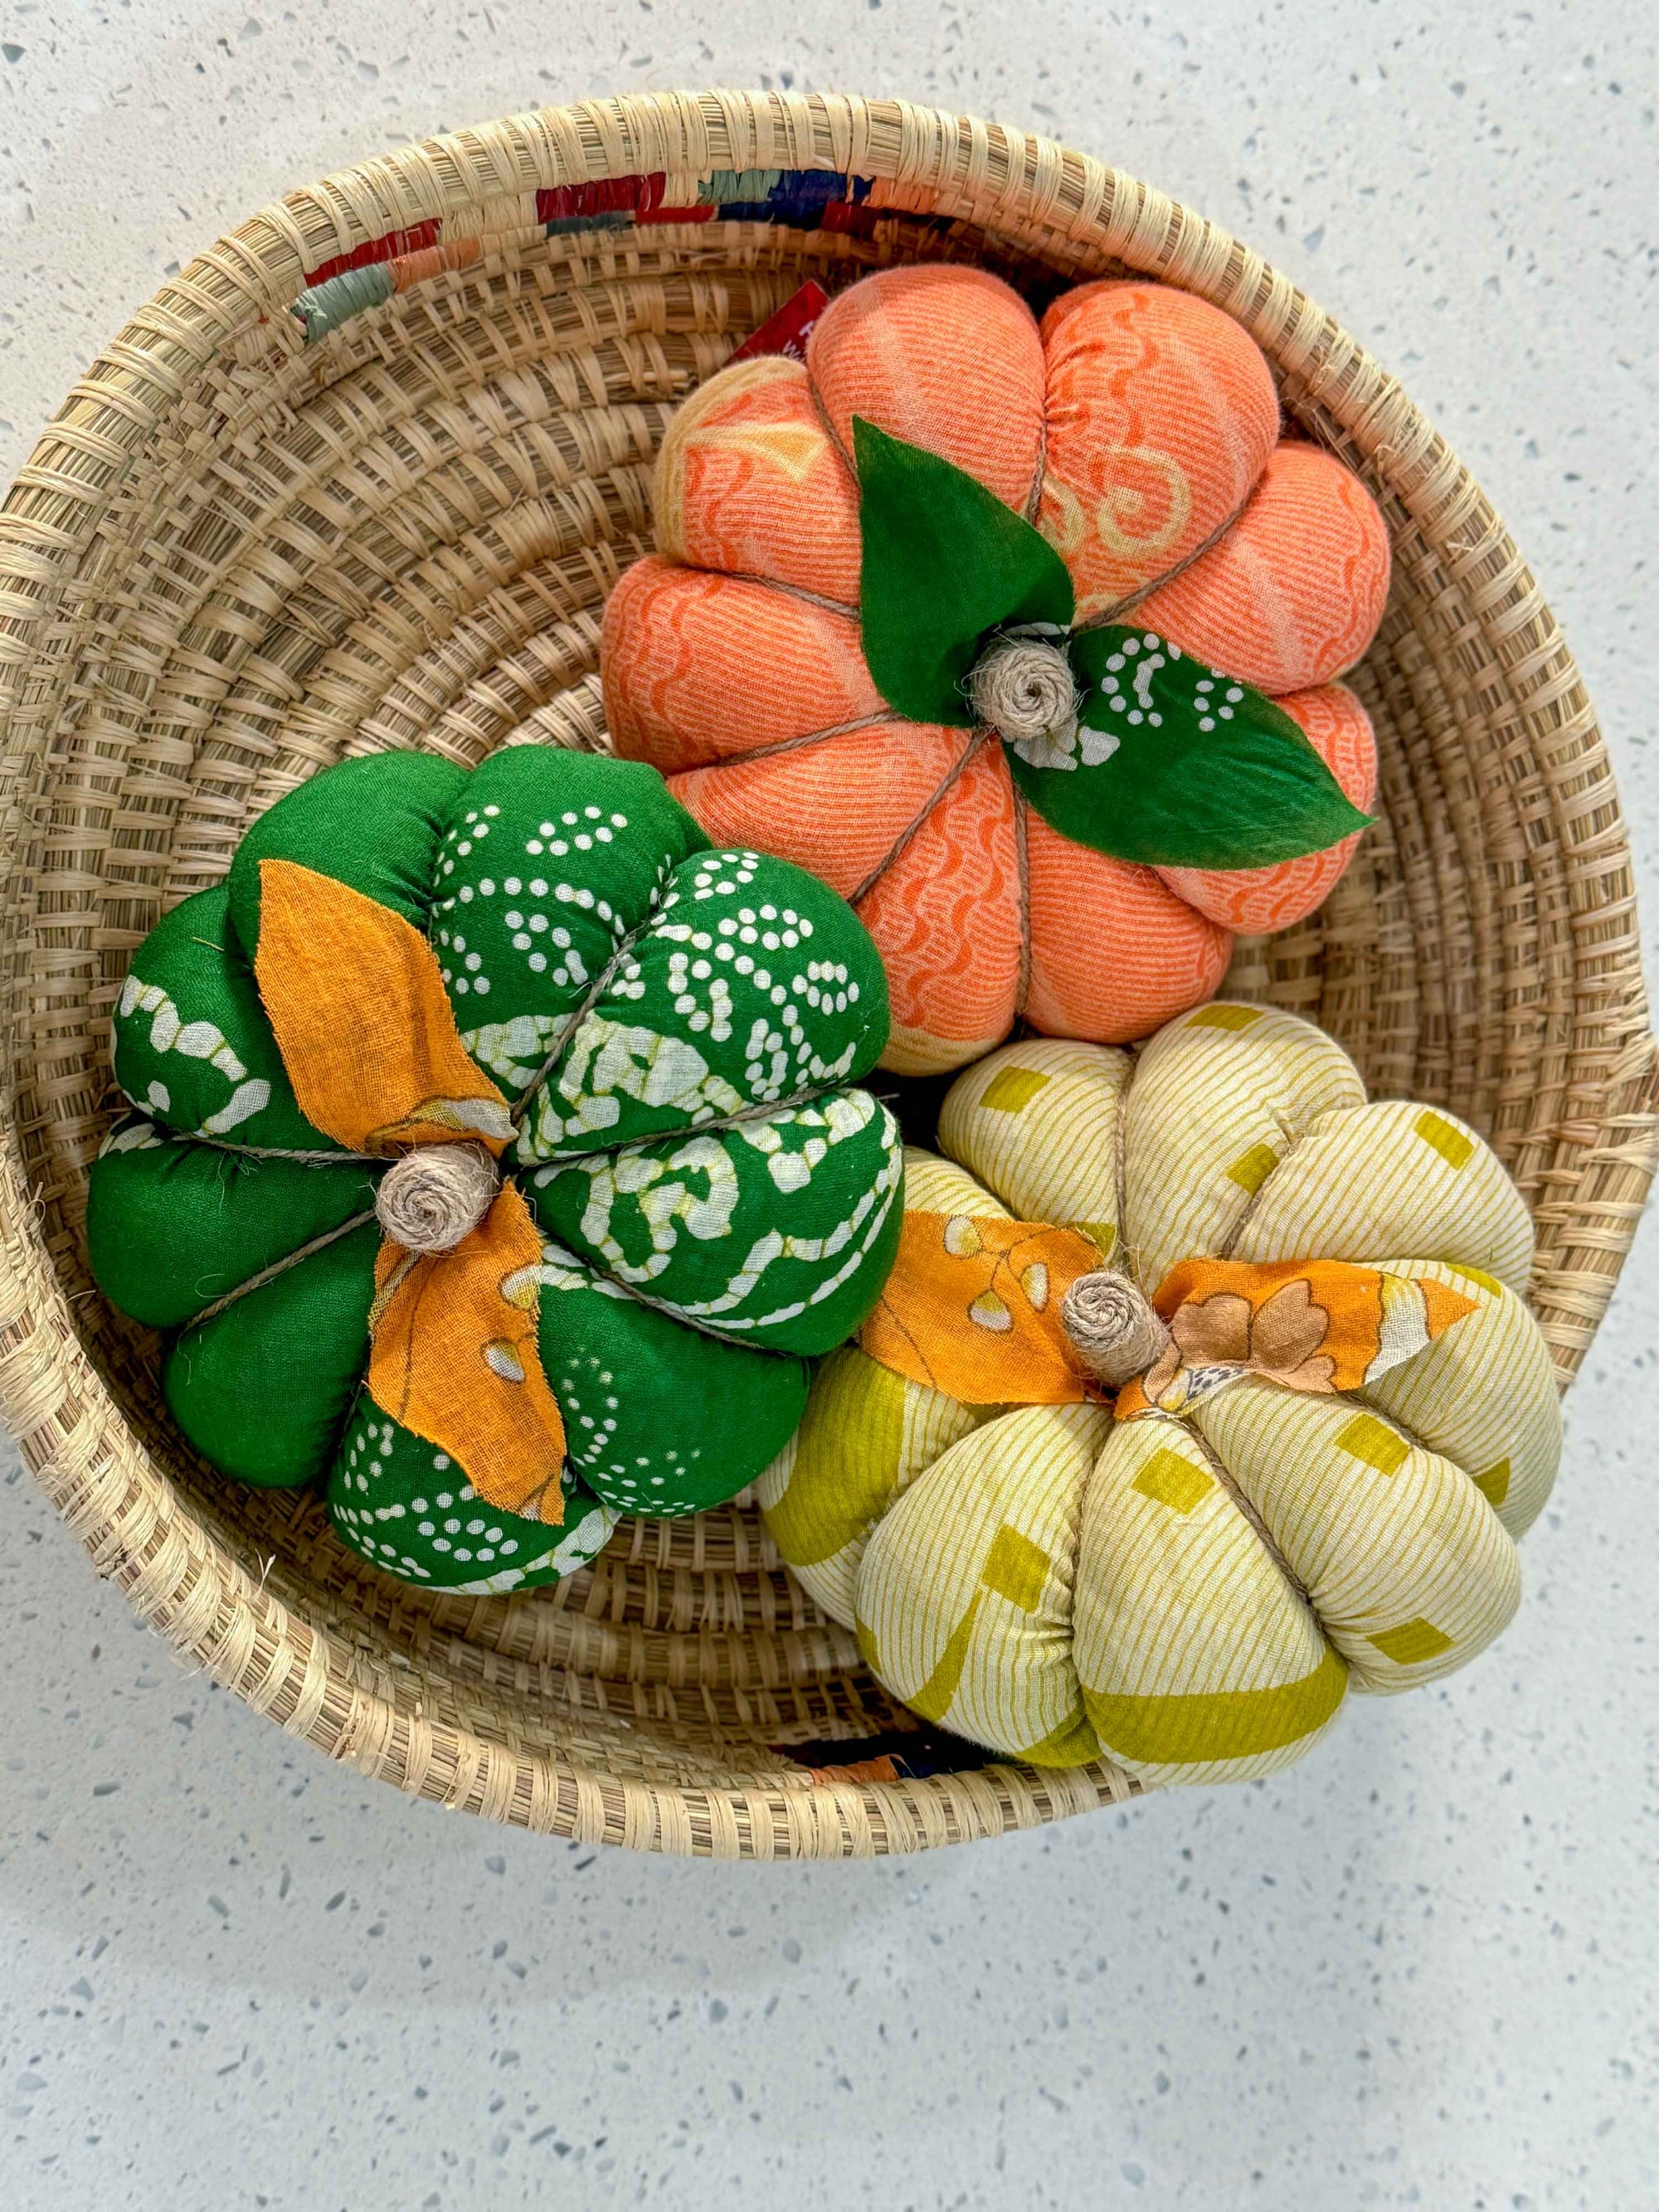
800 200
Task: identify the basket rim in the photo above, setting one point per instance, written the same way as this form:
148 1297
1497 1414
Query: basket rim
70 1429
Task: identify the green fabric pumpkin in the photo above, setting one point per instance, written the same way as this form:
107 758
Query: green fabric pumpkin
687 1278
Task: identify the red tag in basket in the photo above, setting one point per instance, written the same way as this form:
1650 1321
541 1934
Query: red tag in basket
787 330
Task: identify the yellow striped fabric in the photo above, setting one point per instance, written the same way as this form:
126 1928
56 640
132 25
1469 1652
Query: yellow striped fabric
1217 1099
866 1434
1483 1394
935 1186
1410 1571
1197 1660
1391 1177
964 1599
1192 1595
1037 1123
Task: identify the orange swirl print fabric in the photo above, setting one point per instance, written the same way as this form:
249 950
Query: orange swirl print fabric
1162 417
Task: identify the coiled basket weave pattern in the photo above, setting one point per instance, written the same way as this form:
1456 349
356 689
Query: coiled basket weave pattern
362 476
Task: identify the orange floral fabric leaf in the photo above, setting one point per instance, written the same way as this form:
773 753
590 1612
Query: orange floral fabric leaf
455 1358
1314 1325
972 1308
363 1021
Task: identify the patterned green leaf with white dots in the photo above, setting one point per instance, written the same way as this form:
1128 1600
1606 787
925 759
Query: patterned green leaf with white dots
192 1043
753 984
1173 765
777 1233
408 1509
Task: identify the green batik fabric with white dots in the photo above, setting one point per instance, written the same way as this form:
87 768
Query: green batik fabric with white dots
192 1047
683 1029
407 1509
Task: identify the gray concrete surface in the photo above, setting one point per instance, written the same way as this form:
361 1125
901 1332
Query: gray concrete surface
1419 1971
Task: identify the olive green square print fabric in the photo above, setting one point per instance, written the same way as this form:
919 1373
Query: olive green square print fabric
665 1040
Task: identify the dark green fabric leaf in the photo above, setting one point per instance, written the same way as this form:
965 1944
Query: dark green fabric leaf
172 1226
374 824
945 561
263 1389
1175 766
405 1507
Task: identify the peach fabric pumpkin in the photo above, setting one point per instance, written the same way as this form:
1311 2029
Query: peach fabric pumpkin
1138 427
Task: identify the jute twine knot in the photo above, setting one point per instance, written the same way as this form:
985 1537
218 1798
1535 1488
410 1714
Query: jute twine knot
1115 1331
1023 687
433 1197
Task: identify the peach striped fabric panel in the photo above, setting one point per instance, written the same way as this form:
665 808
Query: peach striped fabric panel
1114 952
797 803
750 482
947 922
699 667
1161 417
945 918
943 357
1293 594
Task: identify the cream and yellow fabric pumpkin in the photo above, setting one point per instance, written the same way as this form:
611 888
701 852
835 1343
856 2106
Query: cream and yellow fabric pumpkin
1189 1592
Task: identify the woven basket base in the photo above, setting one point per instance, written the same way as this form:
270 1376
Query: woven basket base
237 557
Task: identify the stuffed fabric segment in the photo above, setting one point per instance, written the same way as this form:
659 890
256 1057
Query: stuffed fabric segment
192 1043
1138 429
653 1045
695 1224
1365 1415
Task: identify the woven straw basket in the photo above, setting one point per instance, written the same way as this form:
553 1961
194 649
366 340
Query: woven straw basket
362 476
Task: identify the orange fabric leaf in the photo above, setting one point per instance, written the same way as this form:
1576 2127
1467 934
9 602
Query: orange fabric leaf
363 1021
455 1358
972 1308
1312 1325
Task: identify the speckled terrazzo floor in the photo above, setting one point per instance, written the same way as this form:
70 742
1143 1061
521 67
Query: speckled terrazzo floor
1420 1970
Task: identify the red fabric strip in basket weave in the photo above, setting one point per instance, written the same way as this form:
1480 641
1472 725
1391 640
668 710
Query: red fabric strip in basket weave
413 240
